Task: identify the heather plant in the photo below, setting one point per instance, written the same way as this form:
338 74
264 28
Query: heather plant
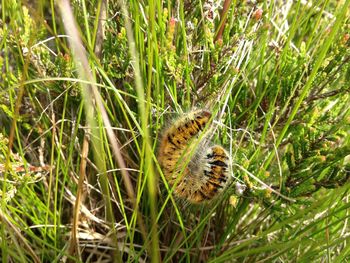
87 89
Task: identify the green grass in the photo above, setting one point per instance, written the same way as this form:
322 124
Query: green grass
87 87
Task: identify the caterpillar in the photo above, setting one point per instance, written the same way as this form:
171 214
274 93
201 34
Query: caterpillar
197 172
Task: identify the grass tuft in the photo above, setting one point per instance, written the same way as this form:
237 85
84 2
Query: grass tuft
88 86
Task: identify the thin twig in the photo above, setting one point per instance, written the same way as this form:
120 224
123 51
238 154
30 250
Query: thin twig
224 12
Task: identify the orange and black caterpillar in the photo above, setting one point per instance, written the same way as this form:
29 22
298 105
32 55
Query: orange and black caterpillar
199 172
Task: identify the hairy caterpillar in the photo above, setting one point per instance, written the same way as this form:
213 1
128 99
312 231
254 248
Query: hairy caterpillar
197 172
